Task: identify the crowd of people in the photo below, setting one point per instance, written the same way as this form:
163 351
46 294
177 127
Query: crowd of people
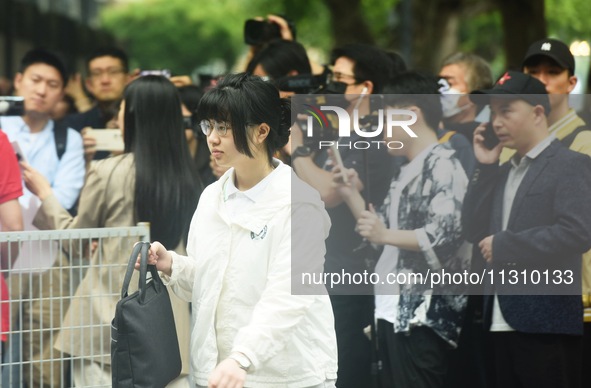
496 178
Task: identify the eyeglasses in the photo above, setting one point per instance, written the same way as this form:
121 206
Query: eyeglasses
111 72
220 128
339 77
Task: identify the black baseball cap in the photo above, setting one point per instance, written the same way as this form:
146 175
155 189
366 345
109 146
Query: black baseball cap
551 48
517 86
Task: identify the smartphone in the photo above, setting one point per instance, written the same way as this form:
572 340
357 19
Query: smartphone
257 32
20 156
163 73
339 160
108 139
490 138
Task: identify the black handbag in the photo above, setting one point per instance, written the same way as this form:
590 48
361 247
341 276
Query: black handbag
144 345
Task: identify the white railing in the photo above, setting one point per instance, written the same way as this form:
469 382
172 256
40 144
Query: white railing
42 285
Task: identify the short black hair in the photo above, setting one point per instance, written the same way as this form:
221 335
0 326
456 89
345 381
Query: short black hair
190 96
371 63
47 57
242 100
279 57
108 51
418 89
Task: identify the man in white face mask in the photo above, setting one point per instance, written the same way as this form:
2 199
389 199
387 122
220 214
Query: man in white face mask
452 105
463 73
456 105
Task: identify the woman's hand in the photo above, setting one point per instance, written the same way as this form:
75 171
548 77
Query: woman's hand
89 143
35 182
227 375
158 256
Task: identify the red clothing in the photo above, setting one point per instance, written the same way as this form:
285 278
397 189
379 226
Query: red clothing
11 187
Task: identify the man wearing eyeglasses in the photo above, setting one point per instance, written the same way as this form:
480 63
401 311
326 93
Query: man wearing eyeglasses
364 70
107 76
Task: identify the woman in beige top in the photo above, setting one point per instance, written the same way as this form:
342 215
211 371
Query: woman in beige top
151 181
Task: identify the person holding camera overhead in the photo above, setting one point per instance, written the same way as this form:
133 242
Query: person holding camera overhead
361 70
250 329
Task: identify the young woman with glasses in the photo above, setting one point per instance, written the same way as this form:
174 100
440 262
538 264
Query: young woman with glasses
253 326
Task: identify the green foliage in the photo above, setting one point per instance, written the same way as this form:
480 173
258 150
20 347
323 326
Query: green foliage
381 18
568 19
185 34
178 35
483 35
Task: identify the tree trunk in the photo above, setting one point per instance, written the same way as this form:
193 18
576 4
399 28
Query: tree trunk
523 23
347 22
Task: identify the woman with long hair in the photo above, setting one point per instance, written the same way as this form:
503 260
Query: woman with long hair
152 181
254 327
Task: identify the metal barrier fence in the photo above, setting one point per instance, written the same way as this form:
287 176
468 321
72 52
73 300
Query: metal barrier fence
61 288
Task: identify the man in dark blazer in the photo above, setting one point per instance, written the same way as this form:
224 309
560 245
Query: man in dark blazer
531 214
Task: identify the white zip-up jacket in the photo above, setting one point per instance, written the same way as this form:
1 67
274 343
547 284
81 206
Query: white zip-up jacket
238 275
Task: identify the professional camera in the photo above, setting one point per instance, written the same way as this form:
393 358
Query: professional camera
12 106
302 83
258 32
315 91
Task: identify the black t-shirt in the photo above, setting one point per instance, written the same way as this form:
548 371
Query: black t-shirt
343 240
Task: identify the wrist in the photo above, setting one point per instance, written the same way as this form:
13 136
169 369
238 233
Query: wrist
301 151
242 360
43 194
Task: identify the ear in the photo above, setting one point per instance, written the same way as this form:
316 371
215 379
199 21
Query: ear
418 112
572 81
88 84
539 113
260 133
18 80
369 86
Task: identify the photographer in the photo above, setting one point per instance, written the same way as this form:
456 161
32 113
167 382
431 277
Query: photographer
361 70
280 59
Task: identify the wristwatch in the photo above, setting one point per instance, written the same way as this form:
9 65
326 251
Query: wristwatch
243 361
301 151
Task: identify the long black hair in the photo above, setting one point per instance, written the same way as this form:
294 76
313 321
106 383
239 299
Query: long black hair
165 190
242 100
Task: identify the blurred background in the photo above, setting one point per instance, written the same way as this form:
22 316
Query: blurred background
192 36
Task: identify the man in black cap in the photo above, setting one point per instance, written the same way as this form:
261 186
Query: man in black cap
530 214
551 61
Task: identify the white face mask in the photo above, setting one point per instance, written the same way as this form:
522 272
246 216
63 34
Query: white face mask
449 102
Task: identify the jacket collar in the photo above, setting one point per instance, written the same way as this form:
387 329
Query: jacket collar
276 196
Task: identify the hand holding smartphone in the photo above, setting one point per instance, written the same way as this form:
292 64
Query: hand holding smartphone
107 139
339 160
20 156
490 138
